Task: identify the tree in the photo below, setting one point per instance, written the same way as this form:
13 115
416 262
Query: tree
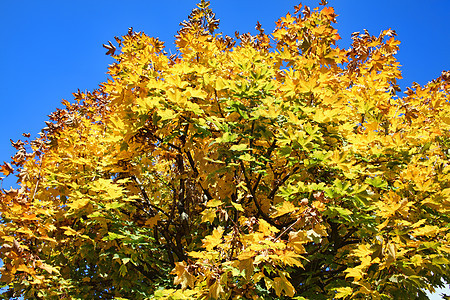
255 167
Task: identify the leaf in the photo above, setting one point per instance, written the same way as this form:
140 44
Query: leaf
6 169
214 203
216 290
152 221
77 204
290 258
376 182
166 114
114 205
123 270
211 241
220 84
266 229
343 292
285 208
246 157
182 276
246 265
113 236
50 269
237 206
69 231
245 255
426 230
282 286
356 273
240 147
329 13
209 215
297 239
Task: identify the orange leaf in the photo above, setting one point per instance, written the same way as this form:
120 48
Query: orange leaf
6 169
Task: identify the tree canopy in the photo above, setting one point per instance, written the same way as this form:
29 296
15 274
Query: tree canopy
249 167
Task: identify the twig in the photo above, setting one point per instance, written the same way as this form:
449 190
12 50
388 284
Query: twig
281 182
258 206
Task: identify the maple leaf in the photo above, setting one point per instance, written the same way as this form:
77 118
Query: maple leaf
328 12
211 241
6 169
282 285
343 292
285 208
182 276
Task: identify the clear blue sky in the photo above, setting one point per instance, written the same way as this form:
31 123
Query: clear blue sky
49 49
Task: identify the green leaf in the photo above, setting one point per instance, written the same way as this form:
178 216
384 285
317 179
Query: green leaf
376 182
114 205
113 236
240 147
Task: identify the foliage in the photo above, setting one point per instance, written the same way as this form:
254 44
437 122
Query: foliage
256 167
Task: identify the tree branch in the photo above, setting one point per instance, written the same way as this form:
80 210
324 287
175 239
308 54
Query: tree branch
268 153
281 182
147 200
257 204
194 168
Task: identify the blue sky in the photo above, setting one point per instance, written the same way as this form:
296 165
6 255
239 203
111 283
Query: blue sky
50 49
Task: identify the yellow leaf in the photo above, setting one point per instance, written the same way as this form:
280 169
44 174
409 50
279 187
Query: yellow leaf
220 84
246 255
195 108
426 230
343 292
237 206
258 276
77 204
281 284
69 231
290 258
27 231
310 86
196 254
382 225
362 251
24 268
285 208
166 114
182 276
216 290
209 215
356 273
445 248
246 266
266 228
297 239
214 203
48 268
417 260
195 93
211 241
418 223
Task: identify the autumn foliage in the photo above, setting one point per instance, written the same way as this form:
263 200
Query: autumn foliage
256 167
